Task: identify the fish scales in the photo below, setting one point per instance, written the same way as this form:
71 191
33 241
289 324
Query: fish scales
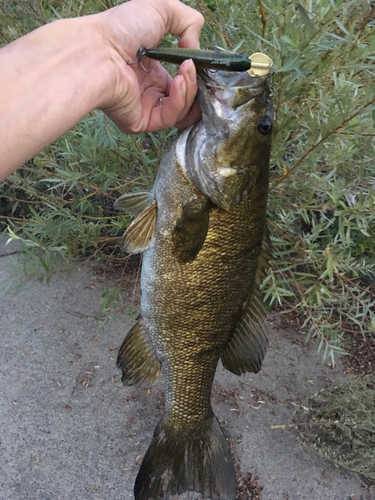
198 307
200 281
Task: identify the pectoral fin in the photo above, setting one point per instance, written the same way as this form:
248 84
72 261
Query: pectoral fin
135 358
191 229
139 234
247 347
134 203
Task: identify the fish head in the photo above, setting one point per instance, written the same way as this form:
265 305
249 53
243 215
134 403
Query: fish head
231 144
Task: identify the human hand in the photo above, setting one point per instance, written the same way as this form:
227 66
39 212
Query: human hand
147 101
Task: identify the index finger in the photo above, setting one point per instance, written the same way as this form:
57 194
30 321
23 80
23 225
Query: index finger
183 21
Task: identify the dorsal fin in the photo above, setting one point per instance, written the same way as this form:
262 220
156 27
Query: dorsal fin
135 359
139 234
190 230
134 203
247 347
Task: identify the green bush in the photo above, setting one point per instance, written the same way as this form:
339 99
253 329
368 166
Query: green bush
322 201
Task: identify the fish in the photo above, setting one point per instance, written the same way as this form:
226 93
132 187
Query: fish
202 231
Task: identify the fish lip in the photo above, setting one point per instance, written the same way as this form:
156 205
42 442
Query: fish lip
221 86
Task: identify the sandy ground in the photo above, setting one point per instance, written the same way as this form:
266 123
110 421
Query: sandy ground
70 430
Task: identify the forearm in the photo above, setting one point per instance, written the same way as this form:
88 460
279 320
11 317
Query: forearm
51 79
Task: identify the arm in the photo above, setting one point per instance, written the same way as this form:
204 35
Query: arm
52 77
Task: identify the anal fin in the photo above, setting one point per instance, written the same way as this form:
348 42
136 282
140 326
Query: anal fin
135 358
247 347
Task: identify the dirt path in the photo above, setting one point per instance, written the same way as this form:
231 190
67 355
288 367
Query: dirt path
70 430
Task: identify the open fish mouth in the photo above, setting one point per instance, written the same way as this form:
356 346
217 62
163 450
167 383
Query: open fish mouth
224 94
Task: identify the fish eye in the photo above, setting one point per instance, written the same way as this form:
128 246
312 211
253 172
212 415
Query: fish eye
264 125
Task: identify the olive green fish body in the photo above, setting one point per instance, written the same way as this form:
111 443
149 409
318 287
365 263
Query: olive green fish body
200 282
203 298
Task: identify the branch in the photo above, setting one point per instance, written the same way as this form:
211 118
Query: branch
322 140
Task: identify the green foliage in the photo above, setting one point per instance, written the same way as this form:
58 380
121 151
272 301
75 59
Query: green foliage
65 196
322 201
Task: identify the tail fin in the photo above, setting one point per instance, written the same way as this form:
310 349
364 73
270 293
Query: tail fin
181 460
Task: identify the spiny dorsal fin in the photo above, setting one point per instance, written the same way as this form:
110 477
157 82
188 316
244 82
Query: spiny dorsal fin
247 347
134 203
190 229
135 359
139 234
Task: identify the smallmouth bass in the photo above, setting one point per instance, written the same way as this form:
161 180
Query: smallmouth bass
202 231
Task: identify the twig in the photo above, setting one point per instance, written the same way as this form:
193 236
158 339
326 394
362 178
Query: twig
109 238
263 18
366 19
362 134
10 253
333 14
285 426
213 23
31 193
98 250
14 219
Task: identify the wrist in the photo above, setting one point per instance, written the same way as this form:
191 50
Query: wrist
96 60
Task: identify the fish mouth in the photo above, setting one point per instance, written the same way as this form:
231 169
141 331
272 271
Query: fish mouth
222 94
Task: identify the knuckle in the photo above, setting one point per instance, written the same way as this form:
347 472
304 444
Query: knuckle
200 19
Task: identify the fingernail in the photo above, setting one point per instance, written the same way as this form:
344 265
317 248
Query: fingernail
188 64
192 74
183 85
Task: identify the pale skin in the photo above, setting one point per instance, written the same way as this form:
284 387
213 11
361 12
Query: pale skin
54 76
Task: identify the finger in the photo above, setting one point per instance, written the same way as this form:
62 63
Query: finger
187 70
175 107
151 86
184 22
165 112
